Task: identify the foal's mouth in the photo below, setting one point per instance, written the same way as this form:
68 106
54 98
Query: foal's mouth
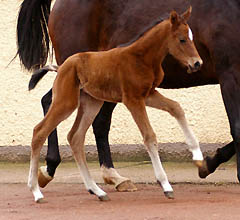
191 69
196 67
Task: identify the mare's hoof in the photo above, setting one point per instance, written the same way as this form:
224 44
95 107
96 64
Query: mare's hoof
126 186
169 194
104 198
43 176
198 163
203 171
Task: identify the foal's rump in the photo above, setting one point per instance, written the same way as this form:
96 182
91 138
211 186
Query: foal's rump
96 73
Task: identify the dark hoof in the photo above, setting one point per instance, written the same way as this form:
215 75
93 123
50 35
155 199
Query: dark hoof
126 186
169 194
203 171
104 198
41 201
91 192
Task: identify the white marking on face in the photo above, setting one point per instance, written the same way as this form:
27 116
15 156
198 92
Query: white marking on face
190 35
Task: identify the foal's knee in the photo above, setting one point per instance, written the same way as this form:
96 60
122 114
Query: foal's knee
150 139
176 110
38 139
69 137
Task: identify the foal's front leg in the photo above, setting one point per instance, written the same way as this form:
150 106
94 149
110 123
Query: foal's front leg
87 111
156 100
138 111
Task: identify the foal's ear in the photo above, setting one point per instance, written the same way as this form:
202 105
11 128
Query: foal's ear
185 16
174 18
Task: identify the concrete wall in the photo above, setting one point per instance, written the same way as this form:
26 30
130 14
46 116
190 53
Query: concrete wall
20 110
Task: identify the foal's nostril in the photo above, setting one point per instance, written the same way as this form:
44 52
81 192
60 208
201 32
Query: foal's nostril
197 65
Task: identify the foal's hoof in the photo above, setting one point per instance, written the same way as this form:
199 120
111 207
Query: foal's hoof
198 163
203 171
43 176
41 201
104 198
169 194
126 186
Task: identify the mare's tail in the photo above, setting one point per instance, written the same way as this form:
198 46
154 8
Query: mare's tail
32 33
39 74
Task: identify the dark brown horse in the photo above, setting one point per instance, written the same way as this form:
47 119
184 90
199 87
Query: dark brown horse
128 74
103 24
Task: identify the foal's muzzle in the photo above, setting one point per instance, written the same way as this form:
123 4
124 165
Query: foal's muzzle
195 66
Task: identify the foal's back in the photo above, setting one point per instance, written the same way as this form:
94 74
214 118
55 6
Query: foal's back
108 75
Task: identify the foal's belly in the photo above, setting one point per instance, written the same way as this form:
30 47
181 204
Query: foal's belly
104 92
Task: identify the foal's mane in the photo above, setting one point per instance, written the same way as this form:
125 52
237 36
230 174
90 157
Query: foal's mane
145 30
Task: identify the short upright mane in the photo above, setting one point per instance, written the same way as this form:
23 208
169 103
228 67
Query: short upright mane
145 30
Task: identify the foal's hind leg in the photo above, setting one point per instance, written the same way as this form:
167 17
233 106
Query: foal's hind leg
89 107
65 101
101 127
41 131
156 100
53 158
138 111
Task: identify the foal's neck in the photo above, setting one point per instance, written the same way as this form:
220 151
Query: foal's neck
153 44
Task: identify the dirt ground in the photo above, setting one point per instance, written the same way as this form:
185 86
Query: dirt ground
216 197
72 201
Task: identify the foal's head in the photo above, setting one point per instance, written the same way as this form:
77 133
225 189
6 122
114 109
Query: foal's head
181 44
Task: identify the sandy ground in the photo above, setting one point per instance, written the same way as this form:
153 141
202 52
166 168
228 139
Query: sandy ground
69 201
217 197
21 110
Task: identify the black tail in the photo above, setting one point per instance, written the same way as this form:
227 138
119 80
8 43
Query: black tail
39 74
32 33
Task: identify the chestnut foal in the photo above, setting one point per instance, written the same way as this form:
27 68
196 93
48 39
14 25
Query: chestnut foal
127 74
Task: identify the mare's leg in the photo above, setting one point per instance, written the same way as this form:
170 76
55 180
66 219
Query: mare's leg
53 159
156 100
224 54
222 155
138 111
65 101
89 107
101 127
229 82
230 88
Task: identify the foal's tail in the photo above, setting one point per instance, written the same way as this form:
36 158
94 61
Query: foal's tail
39 74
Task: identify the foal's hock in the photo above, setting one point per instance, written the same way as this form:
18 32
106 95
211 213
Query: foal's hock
127 74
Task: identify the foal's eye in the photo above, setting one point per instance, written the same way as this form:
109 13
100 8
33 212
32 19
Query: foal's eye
182 41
